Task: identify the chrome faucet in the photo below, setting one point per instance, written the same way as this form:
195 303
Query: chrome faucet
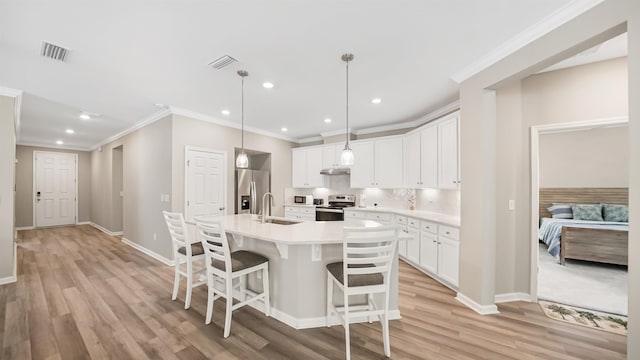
264 210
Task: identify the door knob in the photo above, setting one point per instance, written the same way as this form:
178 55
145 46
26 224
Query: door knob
222 208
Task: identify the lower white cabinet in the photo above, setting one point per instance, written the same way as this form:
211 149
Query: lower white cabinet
300 213
448 250
429 252
413 244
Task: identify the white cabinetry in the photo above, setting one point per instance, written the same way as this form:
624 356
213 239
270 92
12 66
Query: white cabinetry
448 250
331 155
378 163
401 221
429 247
306 213
306 166
421 158
448 154
431 155
413 244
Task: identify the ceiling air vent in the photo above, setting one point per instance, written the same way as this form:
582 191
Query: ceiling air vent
54 52
222 61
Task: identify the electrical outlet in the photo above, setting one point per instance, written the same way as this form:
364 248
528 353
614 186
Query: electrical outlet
512 204
155 237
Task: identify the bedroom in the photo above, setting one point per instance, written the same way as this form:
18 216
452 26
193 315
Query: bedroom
582 166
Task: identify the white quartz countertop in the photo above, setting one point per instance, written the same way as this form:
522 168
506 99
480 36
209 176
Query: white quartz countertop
301 205
416 214
303 233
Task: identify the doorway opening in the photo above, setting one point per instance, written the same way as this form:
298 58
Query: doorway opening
117 192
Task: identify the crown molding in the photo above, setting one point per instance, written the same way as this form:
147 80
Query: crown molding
139 124
326 134
210 119
559 17
53 147
309 139
9 92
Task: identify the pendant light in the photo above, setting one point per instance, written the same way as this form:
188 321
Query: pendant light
242 161
346 158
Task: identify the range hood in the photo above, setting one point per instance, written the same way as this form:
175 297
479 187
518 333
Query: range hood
336 171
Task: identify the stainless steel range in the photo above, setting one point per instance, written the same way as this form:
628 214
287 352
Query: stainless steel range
334 210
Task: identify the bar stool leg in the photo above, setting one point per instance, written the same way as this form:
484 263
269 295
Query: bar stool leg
265 290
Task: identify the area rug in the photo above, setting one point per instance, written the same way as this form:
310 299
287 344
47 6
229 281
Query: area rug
593 319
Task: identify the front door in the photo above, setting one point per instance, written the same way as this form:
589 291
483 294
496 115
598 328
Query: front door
205 183
55 188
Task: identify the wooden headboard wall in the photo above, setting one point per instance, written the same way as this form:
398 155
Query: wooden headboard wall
581 196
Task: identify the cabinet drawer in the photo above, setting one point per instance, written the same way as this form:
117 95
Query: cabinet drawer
380 217
413 223
354 215
428 226
449 232
401 220
307 210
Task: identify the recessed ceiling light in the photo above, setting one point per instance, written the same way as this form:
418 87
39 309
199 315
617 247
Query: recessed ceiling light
376 101
85 117
267 85
60 142
284 129
69 131
327 120
225 112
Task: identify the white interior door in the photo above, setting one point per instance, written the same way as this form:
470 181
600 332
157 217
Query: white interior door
205 183
55 188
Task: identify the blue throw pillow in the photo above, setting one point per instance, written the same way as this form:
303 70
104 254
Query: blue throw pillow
590 212
561 211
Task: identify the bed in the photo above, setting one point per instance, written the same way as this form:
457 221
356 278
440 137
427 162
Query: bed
600 241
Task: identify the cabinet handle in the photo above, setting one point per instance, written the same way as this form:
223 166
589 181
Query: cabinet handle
439 242
447 233
434 241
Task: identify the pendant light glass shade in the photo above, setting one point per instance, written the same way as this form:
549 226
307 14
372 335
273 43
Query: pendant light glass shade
242 161
346 158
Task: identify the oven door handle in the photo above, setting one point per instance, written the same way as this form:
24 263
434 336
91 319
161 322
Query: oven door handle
330 211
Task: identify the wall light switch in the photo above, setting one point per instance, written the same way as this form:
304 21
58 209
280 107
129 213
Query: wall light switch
512 204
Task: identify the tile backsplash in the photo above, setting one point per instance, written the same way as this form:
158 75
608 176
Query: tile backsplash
436 200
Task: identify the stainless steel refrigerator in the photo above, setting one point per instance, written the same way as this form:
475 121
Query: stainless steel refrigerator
251 185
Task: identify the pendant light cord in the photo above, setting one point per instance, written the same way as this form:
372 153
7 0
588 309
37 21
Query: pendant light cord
242 107
347 143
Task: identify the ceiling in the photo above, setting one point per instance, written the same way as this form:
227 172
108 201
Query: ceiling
127 56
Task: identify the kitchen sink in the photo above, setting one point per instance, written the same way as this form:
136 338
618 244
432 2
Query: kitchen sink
281 221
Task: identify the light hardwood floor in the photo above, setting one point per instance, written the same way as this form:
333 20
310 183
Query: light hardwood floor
82 294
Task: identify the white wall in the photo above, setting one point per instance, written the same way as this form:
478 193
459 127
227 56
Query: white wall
590 158
146 159
7 181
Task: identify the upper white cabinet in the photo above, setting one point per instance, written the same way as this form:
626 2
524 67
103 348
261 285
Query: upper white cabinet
306 166
448 156
431 155
331 155
378 163
421 158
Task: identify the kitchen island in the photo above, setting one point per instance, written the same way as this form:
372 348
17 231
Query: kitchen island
298 254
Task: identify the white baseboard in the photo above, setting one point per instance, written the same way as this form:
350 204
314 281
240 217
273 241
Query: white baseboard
84 223
313 322
8 280
13 278
24 228
509 297
105 230
146 251
480 309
